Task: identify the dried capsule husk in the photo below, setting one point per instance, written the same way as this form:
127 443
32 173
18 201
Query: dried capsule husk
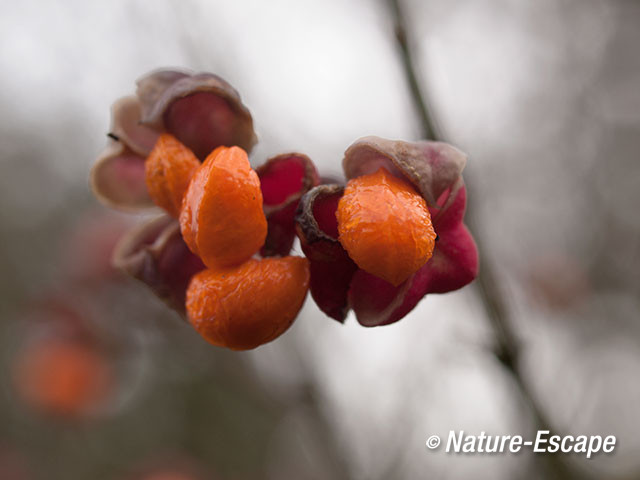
432 167
435 170
330 265
202 110
156 254
152 85
126 114
315 216
284 179
118 178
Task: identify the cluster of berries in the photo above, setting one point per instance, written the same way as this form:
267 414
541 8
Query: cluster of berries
221 254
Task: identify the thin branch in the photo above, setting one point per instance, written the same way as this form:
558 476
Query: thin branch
429 128
507 345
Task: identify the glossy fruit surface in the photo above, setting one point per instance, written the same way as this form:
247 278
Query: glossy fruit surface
385 226
222 219
246 306
168 171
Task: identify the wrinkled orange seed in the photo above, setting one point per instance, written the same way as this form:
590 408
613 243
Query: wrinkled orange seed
222 219
168 170
246 306
385 226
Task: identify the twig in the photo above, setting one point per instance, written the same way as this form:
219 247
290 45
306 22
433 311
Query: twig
507 345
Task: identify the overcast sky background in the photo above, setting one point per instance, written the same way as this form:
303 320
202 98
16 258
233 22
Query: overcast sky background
542 95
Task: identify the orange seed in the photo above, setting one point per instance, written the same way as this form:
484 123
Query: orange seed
385 226
249 305
222 219
168 170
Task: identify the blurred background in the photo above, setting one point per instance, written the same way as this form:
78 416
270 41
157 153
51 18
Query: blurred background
544 97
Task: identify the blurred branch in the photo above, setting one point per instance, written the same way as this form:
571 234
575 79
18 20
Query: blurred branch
507 345
324 431
429 129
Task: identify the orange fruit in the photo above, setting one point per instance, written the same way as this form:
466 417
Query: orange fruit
385 226
62 377
168 170
222 219
246 306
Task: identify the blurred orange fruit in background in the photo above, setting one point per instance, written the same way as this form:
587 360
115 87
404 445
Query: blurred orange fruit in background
62 377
